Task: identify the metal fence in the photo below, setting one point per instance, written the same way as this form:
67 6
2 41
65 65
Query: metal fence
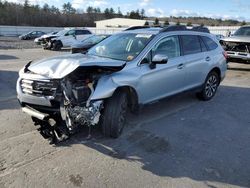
223 30
18 30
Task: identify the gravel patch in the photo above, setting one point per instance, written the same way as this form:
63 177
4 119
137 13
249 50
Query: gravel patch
16 43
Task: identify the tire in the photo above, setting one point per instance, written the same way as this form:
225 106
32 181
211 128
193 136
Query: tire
74 51
210 86
56 46
114 114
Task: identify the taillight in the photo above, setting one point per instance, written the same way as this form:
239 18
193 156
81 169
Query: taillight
225 54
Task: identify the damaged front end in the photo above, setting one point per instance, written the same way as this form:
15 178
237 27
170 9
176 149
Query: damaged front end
70 99
237 50
77 109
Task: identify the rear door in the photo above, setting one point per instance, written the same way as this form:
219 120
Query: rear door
82 34
194 51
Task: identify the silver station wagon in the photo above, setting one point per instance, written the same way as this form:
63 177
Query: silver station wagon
125 71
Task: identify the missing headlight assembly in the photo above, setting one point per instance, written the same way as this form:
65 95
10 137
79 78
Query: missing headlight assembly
71 104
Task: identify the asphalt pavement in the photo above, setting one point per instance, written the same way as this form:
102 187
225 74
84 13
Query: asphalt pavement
176 142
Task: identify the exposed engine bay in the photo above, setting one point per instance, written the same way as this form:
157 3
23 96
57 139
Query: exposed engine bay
236 46
76 108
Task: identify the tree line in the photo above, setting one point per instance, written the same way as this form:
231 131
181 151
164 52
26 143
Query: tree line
33 15
27 14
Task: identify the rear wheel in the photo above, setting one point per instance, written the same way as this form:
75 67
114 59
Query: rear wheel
114 114
209 87
74 51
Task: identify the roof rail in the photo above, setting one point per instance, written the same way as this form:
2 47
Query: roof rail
137 27
184 28
173 28
201 29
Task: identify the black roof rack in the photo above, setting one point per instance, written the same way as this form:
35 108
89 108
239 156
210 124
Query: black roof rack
184 28
201 29
174 28
137 27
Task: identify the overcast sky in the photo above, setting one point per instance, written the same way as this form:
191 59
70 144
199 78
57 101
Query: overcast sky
225 9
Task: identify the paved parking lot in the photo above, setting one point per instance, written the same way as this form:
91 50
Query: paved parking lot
177 142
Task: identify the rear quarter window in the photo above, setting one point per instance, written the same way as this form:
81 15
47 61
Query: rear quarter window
82 32
211 45
190 44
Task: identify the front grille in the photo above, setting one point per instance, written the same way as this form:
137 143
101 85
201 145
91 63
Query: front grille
39 88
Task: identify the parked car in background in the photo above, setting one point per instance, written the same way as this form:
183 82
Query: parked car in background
219 37
125 71
42 40
66 38
238 45
83 46
31 35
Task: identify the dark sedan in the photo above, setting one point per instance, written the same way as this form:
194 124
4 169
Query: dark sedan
31 35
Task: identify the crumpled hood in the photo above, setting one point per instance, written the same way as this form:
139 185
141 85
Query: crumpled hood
237 39
59 67
48 35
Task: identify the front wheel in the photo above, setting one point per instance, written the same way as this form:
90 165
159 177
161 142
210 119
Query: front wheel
209 87
56 46
114 114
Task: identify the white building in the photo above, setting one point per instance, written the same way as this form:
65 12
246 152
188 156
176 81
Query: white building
123 22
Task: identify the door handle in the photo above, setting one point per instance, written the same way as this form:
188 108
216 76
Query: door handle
180 66
208 58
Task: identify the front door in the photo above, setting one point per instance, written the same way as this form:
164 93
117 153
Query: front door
165 79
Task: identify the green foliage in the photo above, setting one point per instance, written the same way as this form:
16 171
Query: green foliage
189 24
166 23
156 21
146 23
243 23
68 9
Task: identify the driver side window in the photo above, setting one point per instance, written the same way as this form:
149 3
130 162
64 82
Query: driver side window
168 46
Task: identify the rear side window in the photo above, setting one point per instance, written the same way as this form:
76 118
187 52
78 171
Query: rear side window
190 44
82 32
211 45
203 46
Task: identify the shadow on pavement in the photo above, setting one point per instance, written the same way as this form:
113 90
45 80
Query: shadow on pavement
8 90
7 57
204 141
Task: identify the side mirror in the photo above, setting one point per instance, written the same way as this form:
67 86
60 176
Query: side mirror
160 59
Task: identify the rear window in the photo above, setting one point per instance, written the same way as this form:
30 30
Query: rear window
211 45
190 44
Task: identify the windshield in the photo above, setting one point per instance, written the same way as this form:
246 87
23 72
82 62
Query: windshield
243 31
62 32
94 39
123 46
